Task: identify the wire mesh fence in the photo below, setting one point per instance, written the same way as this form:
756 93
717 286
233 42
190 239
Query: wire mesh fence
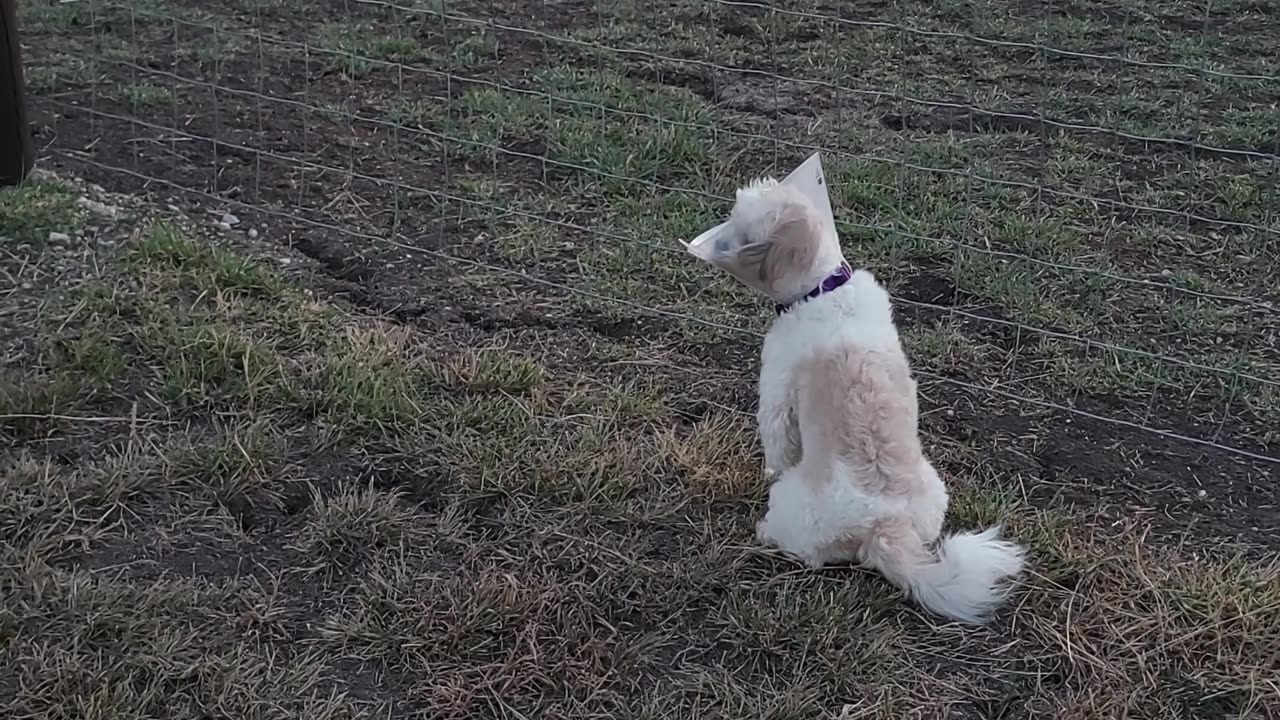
1076 210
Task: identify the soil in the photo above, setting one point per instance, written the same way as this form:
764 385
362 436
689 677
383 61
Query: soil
267 156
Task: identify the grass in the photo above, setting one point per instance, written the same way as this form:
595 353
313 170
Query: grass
177 629
416 113
489 370
147 95
50 15
59 72
940 214
231 487
358 50
429 511
368 387
362 521
29 213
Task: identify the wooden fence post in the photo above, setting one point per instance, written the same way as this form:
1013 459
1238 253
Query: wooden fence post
17 154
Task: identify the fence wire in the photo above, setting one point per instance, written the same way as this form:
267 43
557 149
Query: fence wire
990 41
675 249
420 245
894 96
228 120
351 117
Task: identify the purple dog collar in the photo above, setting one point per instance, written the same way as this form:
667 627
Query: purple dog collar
841 276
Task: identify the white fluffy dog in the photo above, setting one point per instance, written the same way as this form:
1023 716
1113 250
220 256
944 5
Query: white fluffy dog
838 416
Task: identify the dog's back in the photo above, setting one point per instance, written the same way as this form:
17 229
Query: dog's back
855 398
863 488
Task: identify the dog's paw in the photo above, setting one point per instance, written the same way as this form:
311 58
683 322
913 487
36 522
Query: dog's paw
762 533
813 561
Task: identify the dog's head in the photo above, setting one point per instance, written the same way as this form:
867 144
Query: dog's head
774 242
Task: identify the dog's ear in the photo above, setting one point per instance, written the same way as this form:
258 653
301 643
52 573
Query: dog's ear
790 247
756 255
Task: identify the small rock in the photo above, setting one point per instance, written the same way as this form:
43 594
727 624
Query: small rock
230 219
1167 272
26 286
285 261
222 226
97 208
171 208
253 233
58 238
1201 493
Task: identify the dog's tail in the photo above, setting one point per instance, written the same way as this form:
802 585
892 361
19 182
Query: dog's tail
961 581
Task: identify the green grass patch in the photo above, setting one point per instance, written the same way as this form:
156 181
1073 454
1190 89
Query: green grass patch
373 382
53 16
202 360
33 402
945 347
59 71
615 149
29 212
146 95
109 647
475 47
417 112
209 267
357 50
